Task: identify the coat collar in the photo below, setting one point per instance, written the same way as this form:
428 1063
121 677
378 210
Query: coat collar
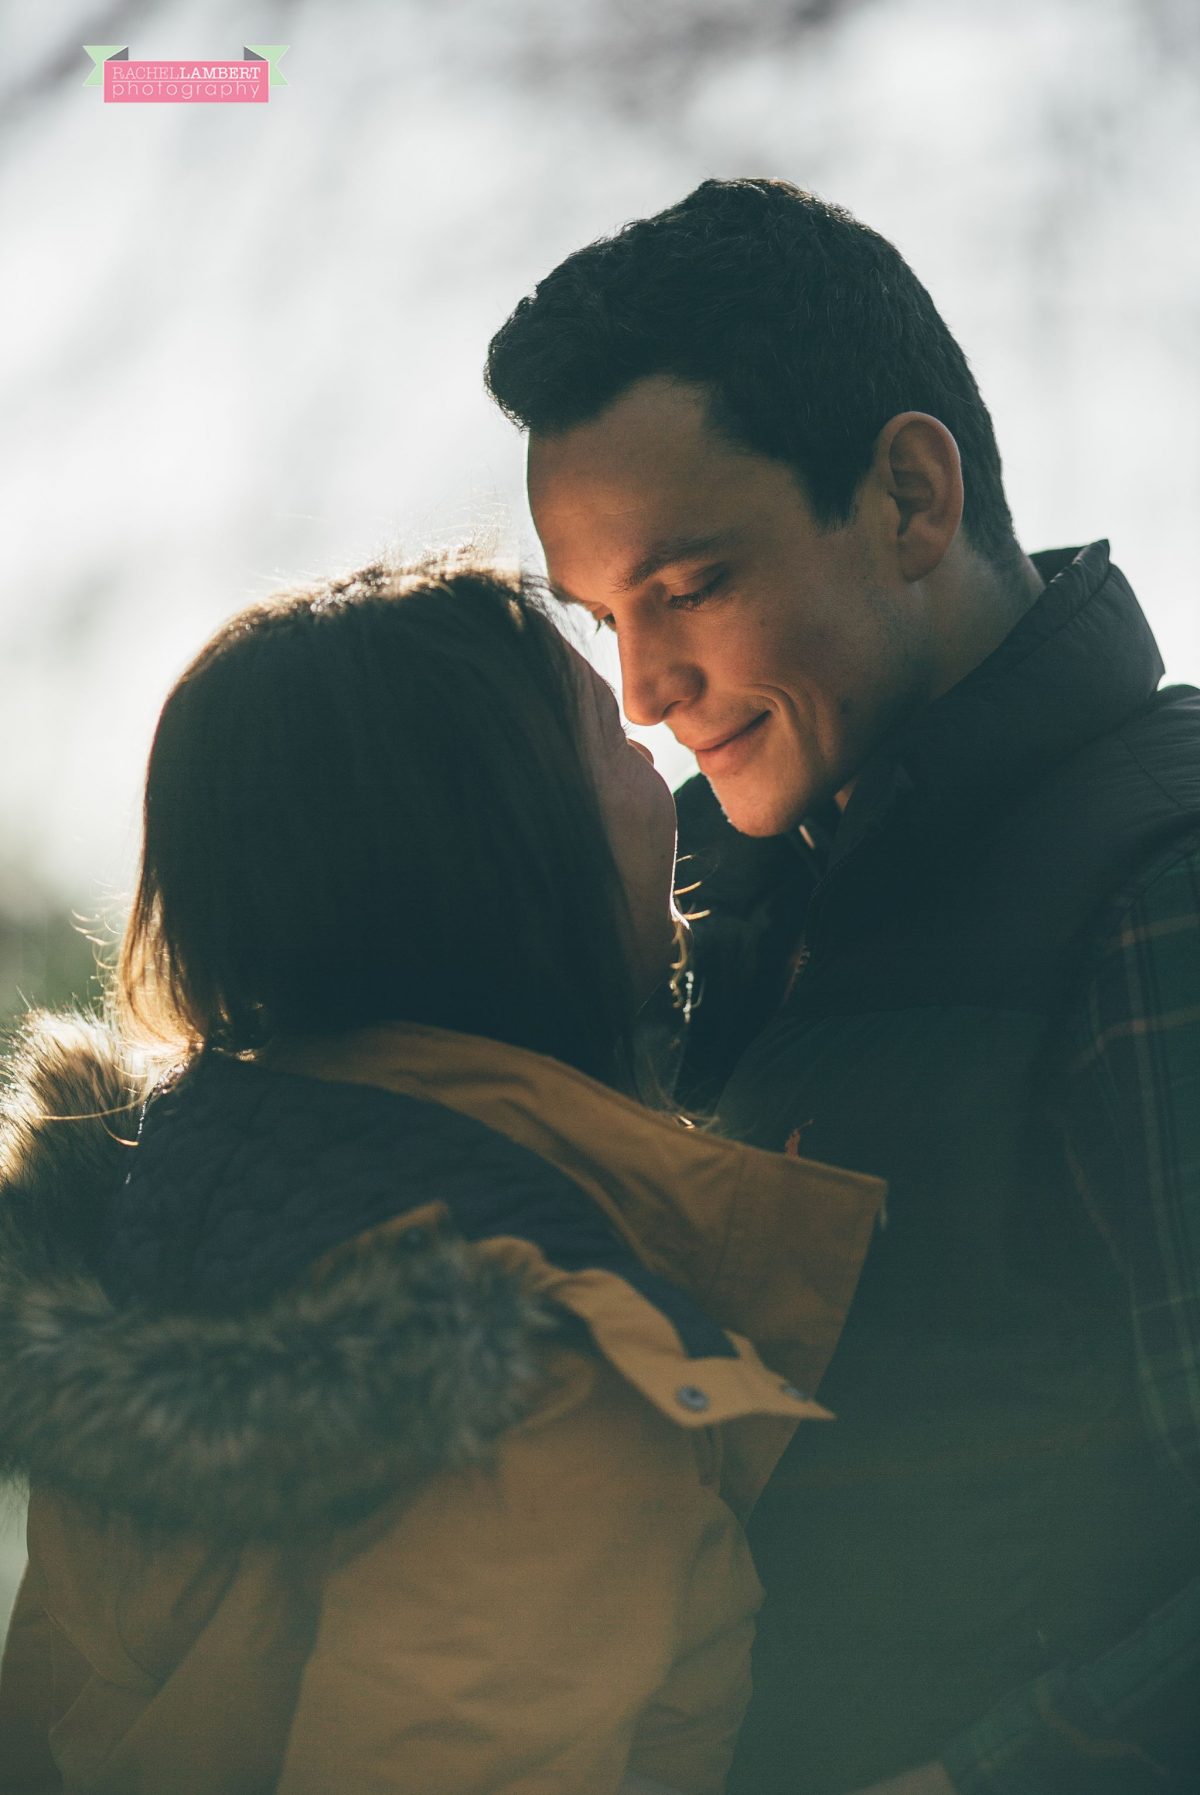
769 1245
262 1421
1080 662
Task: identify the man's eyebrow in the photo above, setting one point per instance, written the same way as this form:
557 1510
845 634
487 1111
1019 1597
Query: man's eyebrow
563 596
670 549
663 553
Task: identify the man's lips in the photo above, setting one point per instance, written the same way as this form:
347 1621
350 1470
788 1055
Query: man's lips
724 748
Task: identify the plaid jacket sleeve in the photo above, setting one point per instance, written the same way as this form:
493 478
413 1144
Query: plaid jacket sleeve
1130 1721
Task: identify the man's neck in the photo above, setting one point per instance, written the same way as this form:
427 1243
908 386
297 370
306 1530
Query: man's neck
981 606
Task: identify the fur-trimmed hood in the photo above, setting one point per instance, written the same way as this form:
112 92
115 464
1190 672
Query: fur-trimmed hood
307 1408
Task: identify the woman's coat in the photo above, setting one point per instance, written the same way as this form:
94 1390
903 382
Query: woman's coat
388 1409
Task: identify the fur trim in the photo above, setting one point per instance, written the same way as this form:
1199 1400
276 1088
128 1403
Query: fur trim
402 1359
68 1114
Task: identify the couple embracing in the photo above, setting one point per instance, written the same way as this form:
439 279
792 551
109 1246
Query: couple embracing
413 1363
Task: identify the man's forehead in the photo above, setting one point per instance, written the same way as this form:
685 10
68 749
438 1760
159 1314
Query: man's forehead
645 486
638 524
652 440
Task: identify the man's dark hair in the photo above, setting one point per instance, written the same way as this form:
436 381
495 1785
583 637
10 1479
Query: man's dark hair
808 329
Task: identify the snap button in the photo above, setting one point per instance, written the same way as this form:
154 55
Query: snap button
692 1397
791 1390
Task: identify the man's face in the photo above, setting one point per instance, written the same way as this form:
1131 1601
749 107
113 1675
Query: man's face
780 654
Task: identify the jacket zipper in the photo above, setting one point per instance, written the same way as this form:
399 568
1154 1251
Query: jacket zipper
804 954
802 957
799 964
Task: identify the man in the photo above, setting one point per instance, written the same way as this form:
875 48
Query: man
947 833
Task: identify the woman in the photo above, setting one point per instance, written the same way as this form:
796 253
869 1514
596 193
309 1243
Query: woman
387 1408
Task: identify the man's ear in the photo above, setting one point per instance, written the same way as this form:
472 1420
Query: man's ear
916 463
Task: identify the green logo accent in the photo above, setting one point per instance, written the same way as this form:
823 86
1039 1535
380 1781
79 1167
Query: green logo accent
272 53
100 54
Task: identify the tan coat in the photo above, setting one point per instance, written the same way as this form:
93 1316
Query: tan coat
536 1613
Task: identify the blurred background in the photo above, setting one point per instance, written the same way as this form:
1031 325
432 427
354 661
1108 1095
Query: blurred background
244 343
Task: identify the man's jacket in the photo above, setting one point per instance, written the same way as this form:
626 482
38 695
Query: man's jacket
956 1569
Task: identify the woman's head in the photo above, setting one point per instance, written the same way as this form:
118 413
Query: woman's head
397 796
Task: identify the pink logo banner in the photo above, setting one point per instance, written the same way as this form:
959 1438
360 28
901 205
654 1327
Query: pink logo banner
201 83
187 80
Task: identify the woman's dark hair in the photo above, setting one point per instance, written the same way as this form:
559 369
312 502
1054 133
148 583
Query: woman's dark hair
808 330
367 801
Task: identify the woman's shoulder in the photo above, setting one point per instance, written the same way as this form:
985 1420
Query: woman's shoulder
292 1297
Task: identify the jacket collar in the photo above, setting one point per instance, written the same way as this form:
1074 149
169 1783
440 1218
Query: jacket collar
262 1421
769 1245
1080 662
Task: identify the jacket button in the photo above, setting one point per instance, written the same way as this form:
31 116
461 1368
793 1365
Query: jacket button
692 1397
791 1390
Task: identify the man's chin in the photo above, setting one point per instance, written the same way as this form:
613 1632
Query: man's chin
758 814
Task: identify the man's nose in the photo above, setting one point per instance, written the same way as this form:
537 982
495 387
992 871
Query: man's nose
656 672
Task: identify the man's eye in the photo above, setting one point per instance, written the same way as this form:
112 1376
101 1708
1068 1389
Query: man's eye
676 601
683 601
